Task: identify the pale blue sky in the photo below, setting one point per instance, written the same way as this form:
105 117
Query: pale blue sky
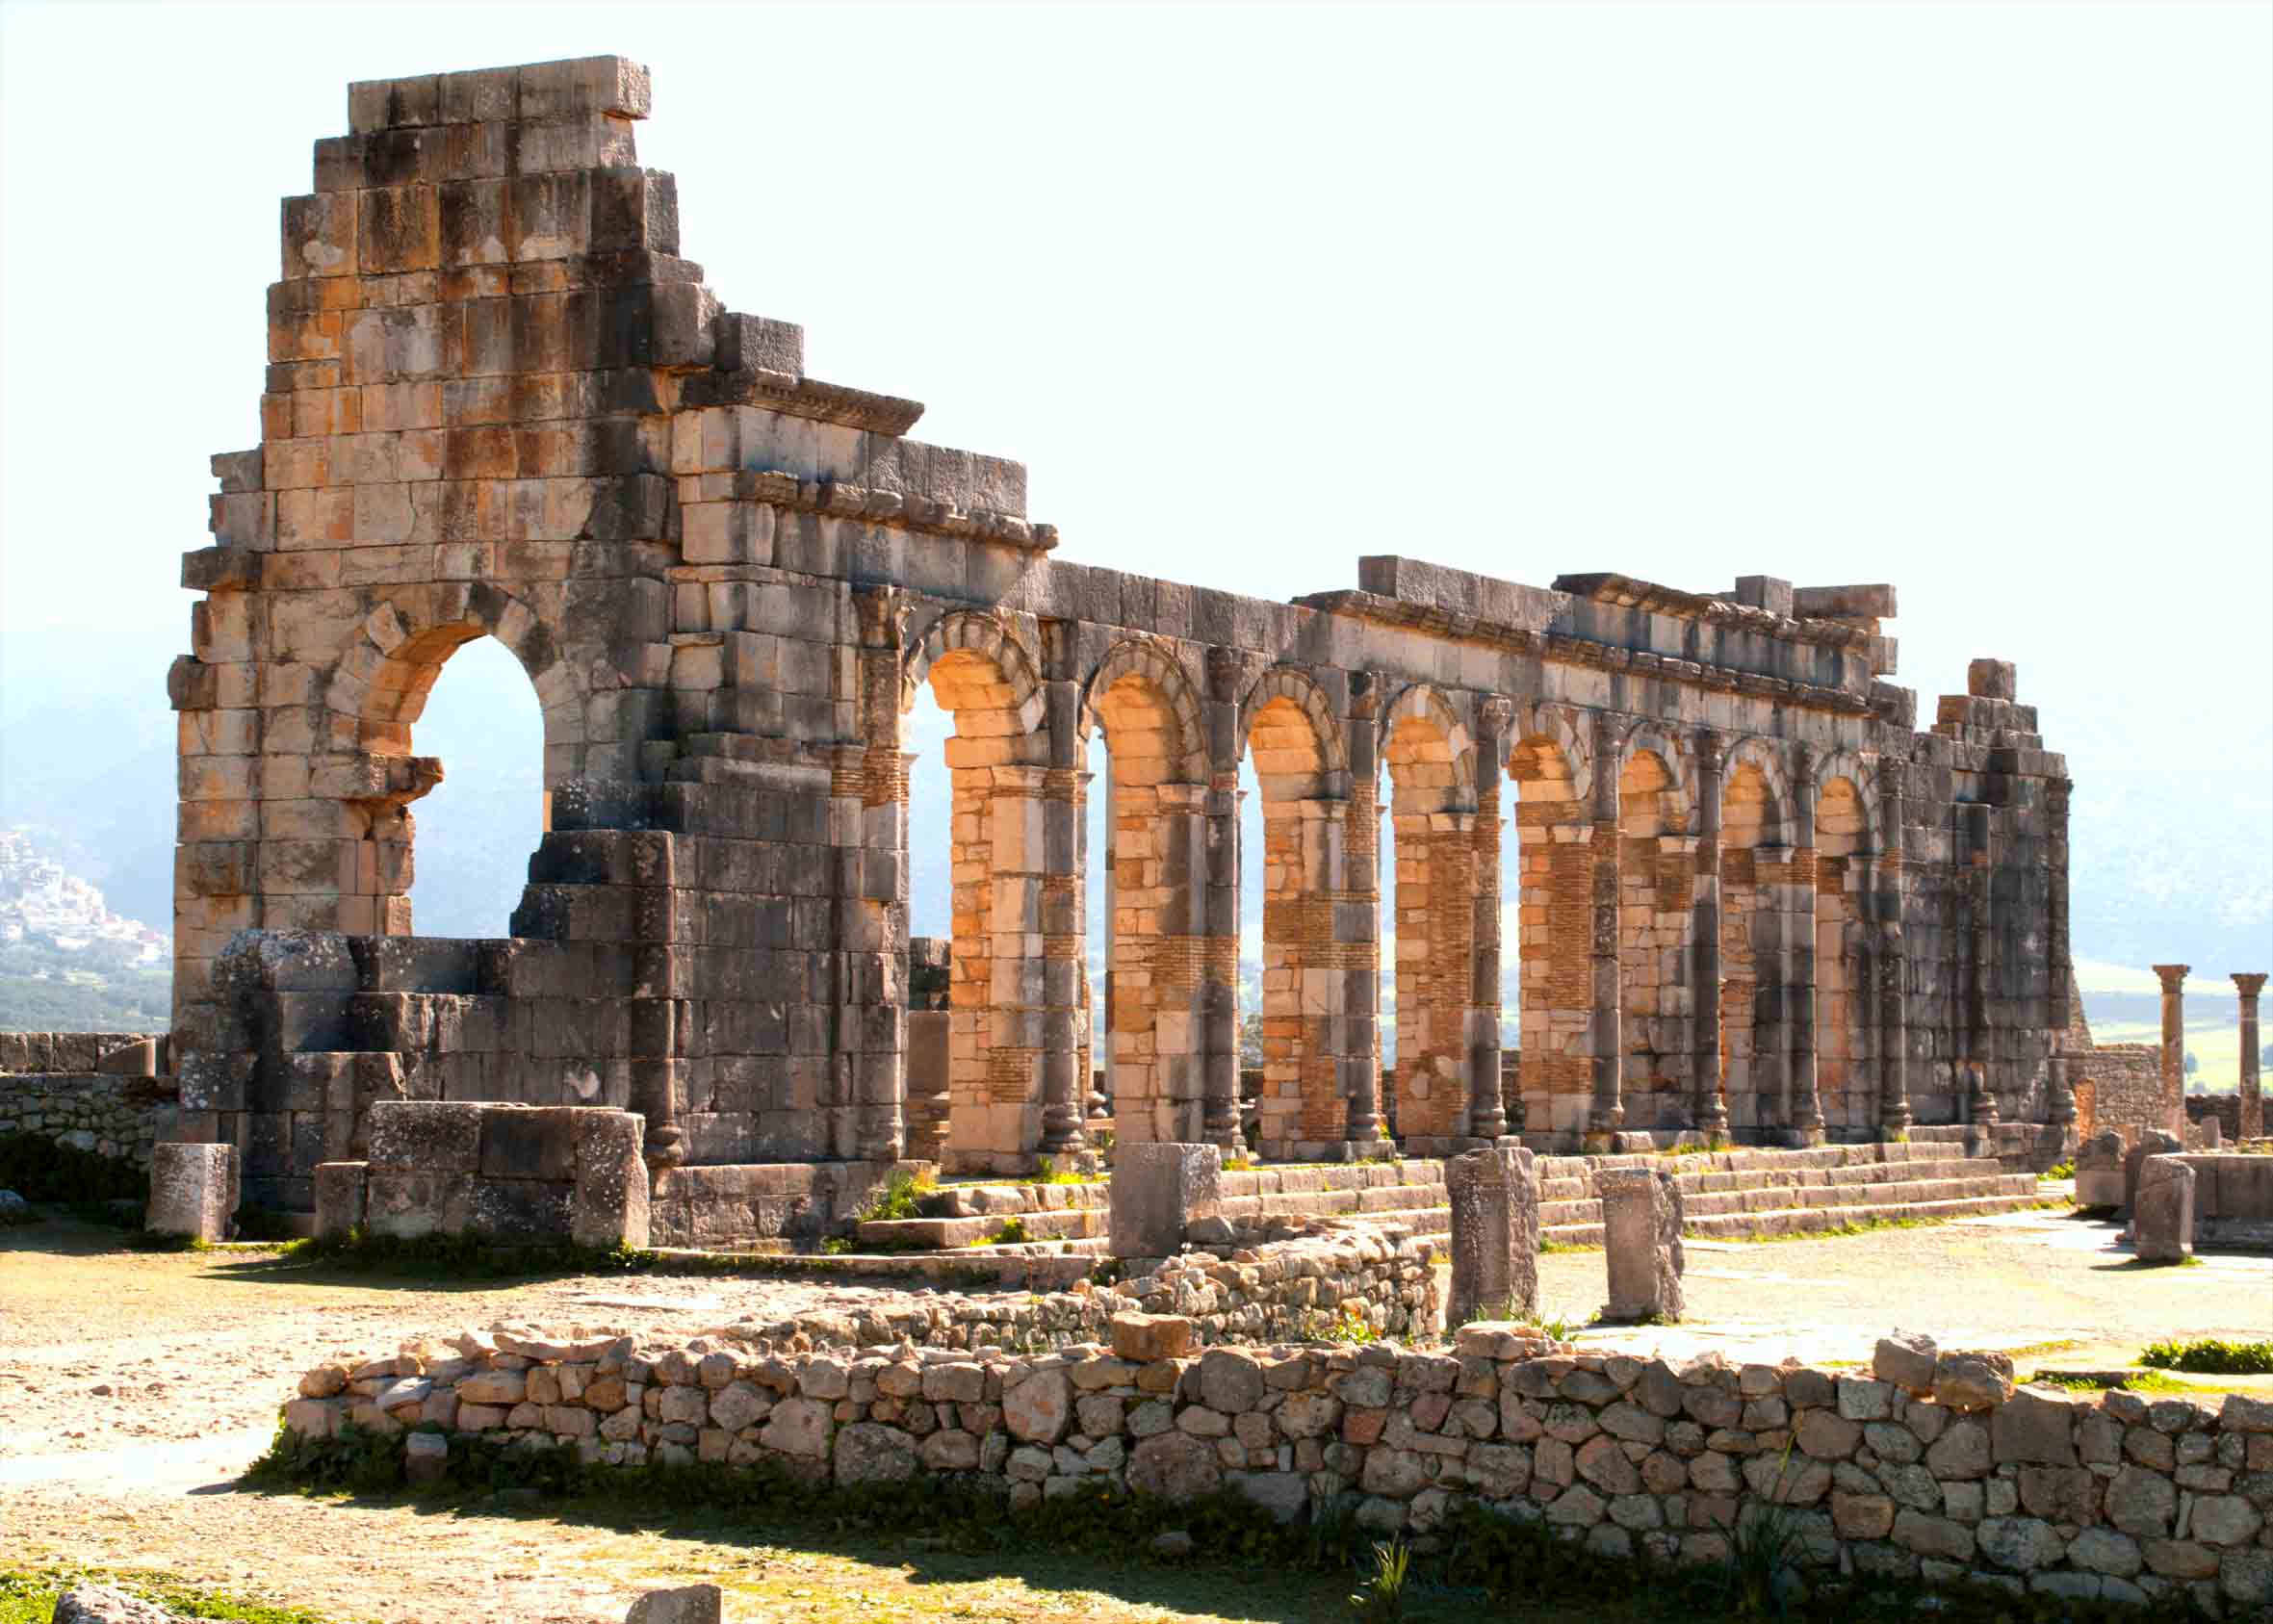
1970 298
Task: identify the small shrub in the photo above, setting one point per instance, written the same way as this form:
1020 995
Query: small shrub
1381 1598
837 1246
900 1196
1765 1549
1012 1233
1345 1325
2059 1170
2208 1355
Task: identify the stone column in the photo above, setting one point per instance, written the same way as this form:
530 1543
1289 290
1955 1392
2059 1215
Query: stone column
1642 1243
1488 1117
2174 1047
1360 922
1608 1110
2253 1104
1218 902
1709 1114
1065 935
1495 1236
1892 961
1807 1107
1981 888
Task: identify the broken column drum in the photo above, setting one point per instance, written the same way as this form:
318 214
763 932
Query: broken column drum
501 403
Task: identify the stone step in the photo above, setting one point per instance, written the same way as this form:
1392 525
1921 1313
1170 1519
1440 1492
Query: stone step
940 1234
1800 1221
1973 1184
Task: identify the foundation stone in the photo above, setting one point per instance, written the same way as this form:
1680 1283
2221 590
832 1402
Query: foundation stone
2165 1211
193 1191
1495 1235
2151 1142
2100 1177
1642 1240
1161 1190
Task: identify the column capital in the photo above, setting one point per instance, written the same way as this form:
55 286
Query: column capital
2249 985
1230 672
1803 769
1712 747
1495 715
2174 976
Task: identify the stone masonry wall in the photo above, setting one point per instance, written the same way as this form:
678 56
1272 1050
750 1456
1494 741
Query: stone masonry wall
2113 1497
116 1116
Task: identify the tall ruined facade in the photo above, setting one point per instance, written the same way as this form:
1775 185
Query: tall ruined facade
1753 897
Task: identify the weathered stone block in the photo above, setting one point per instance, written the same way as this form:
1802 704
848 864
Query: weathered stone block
1495 1235
193 1190
1642 1243
341 1188
1159 1189
2163 1210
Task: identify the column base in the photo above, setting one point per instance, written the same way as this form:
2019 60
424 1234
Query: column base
1805 1137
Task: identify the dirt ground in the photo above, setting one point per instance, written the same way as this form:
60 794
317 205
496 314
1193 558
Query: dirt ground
133 1386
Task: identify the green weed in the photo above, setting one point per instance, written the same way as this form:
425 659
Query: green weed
1381 1598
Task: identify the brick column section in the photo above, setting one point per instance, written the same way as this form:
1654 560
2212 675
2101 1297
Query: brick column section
2253 1103
1359 916
1608 1110
888 1123
1709 1112
1219 904
2174 1047
1807 1106
1065 1071
1488 1117
1892 961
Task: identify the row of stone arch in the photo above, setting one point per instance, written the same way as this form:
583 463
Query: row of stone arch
1781 863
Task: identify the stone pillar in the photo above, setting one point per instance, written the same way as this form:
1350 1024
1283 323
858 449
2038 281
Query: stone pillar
1807 1107
2174 1047
1361 924
1891 960
1218 905
1488 1117
2098 1171
2164 1211
1642 1243
1065 935
2253 1103
660 970
1160 1188
1709 1112
193 1190
1608 1111
1495 1236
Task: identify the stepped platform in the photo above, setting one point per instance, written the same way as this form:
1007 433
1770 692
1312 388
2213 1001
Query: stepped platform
1728 1195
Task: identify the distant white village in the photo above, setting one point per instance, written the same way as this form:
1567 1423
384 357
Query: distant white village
40 899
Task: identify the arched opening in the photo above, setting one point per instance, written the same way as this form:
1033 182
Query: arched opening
1655 896
1291 876
481 724
990 1117
1554 929
1752 819
1841 836
1154 839
1432 857
924 732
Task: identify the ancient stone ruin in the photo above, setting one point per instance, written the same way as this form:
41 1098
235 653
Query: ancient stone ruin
1756 899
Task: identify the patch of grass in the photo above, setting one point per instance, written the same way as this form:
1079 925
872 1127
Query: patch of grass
2059 1171
1012 1233
1048 1171
1347 1324
2100 1381
2209 1355
461 1257
900 1196
28 1596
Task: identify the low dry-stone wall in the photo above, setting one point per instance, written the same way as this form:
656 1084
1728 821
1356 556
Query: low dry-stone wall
116 1117
1941 1474
1382 1279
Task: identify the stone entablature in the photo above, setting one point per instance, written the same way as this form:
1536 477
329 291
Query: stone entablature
1960 1477
500 404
